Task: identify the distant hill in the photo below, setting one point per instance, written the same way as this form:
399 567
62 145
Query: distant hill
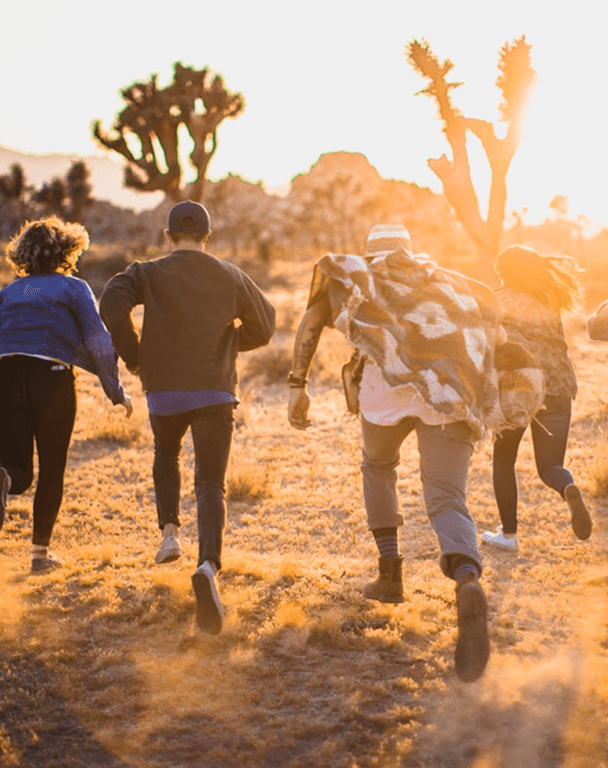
106 176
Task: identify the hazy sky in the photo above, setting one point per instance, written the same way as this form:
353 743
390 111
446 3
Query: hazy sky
322 76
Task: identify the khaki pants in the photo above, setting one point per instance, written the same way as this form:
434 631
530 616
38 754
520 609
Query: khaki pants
445 454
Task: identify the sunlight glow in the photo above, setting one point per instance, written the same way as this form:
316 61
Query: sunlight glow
333 78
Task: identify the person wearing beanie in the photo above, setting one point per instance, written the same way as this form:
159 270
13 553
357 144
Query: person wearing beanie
414 325
199 313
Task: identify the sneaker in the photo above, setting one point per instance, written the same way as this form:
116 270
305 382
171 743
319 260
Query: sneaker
209 611
579 514
169 550
473 644
498 539
46 563
5 485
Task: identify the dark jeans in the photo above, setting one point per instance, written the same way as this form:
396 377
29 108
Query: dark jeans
549 438
212 429
36 404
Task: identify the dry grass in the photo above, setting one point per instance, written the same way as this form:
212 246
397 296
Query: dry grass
101 664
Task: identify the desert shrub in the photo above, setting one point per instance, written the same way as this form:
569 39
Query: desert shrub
598 470
270 364
112 427
245 482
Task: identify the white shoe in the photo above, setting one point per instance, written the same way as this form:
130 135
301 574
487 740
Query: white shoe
209 611
169 550
498 539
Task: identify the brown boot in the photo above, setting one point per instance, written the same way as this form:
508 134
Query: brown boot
388 587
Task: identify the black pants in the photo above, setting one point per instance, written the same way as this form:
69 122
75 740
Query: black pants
549 438
212 429
37 404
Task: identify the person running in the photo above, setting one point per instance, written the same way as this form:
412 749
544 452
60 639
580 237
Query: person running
536 290
427 336
199 313
49 323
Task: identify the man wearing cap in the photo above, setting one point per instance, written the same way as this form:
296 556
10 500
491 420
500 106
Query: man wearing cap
199 313
427 338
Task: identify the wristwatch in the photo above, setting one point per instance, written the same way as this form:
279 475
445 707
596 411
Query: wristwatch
295 382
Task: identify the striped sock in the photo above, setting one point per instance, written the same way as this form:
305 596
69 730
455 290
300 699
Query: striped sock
462 566
386 541
39 552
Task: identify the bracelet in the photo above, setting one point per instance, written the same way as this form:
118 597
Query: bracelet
296 383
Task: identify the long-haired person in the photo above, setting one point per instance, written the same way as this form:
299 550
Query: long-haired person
536 291
49 323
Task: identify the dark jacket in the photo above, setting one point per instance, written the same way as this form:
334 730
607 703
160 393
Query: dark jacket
190 336
55 316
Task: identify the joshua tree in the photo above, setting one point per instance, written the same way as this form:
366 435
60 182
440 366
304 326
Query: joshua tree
13 200
152 119
515 80
12 185
51 197
78 190
67 197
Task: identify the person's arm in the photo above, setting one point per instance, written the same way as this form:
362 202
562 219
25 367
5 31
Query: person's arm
257 316
122 293
597 324
98 346
306 342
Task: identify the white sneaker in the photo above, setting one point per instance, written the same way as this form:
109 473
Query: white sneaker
169 550
209 611
498 539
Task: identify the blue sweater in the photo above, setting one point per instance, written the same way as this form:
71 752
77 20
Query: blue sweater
56 316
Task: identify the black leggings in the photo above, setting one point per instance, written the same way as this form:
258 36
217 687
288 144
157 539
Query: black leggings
37 404
549 437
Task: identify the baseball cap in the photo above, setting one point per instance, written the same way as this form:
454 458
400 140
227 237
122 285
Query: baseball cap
189 217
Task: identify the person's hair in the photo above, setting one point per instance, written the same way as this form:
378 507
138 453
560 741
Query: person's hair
554 280
47 245
196 237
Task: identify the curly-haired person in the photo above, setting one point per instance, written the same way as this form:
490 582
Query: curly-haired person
49 323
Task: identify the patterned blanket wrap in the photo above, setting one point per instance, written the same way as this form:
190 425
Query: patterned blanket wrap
431 328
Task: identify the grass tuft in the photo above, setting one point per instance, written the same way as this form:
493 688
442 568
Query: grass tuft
112 427
598 470
102 664
245 482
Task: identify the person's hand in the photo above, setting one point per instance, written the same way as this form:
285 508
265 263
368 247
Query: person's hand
127 404
297 410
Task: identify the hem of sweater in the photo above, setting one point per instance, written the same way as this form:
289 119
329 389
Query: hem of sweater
68 357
